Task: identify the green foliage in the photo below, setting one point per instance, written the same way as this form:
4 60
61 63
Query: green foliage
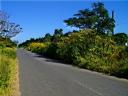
47 38
8 52
120 38
7 71
51 51
6 42
58 33
7 67
37 47
97 18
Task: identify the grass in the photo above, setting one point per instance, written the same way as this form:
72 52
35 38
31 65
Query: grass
8 71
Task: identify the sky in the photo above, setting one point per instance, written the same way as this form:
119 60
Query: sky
38 17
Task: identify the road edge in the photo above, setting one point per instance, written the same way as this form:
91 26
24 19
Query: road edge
16 85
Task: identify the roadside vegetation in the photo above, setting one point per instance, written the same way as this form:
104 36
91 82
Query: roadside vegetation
8 61
93 46
8 68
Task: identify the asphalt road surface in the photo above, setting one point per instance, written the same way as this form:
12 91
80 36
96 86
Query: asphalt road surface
45 77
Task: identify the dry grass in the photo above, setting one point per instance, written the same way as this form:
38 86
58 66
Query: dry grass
8 72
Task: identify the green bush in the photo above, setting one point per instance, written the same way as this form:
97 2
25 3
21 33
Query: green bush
51 51
37 47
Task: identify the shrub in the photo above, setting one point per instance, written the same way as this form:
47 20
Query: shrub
37 47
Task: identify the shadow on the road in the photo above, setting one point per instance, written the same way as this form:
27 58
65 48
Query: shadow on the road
47 59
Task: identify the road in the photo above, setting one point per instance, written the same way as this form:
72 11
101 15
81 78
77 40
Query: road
40 76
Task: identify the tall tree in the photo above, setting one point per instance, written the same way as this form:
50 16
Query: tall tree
104 23
97 18
8 29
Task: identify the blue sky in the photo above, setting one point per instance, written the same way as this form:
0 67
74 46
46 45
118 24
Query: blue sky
40 17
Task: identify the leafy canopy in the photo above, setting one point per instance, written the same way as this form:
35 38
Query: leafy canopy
97 18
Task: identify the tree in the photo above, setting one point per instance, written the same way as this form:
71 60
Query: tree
8 29
58 33
47 37
83 19
97 18
104 22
